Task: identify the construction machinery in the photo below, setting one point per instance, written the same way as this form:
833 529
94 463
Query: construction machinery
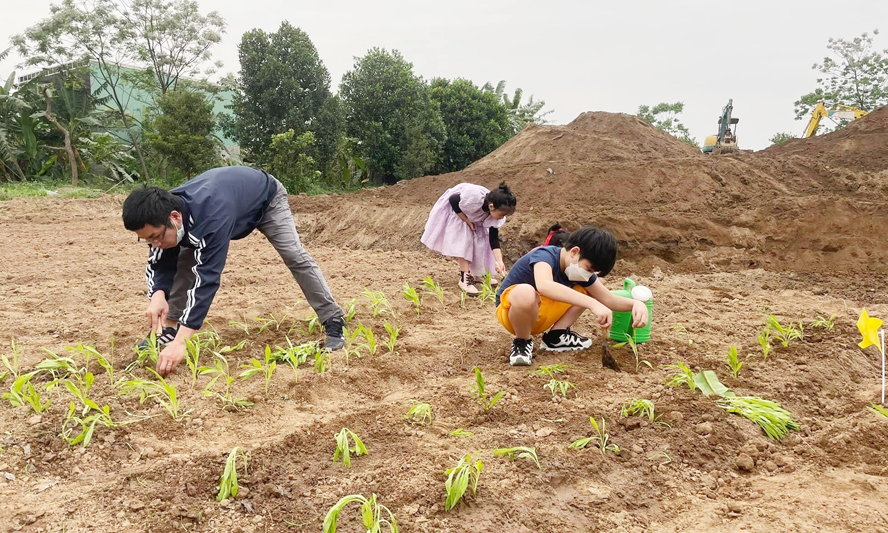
726 138
841 112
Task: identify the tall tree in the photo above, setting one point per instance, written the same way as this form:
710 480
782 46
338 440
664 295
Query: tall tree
389 111
476 122
282 85
172 37
182 132
520 115
855 74
664 116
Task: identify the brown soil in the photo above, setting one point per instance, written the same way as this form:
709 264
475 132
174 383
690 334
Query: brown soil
691 226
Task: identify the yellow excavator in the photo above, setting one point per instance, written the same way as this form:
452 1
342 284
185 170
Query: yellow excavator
844 112
726 139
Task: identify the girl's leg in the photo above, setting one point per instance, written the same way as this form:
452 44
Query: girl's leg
525 307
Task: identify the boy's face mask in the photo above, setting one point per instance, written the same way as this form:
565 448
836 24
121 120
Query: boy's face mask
180 232
576 273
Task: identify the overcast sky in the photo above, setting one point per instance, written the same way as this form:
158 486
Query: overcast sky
576 55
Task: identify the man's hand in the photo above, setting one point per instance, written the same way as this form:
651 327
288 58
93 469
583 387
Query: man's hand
603 315
157 312
639 314
170 357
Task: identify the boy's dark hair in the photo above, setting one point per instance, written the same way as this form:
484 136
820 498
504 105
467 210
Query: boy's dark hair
149 205
596 245
502 198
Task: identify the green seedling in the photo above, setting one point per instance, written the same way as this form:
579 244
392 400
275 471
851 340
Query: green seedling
461 433
161 391
412 296
295 355
462 299
312 322
770 416
192 357
22 393
236 348
222 372
520 452
875 408
601 438
87 425
393 332
243 326
420 414
634 347
684 377
431 287
208 340
146 355
379 304
371 515
322 362
487 293
58 366
459 478
12 367
825 323
784 334
351 308
732 361
551 370
79 388
764 340
369 340
344 450
88 352
557 386
255 367
638 407
663 457
228 487
352 348
267 322
480 393
684 331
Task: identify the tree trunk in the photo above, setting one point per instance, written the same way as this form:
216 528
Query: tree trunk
69 149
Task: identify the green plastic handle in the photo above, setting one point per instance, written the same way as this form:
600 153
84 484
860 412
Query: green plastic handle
628 285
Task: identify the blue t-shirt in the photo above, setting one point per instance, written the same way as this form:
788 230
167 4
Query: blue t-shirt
522 270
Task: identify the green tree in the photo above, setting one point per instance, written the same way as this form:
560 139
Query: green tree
476 122
853 74
182 132
520 115
389 111
291 161
782 137
172 37
664 116
282 85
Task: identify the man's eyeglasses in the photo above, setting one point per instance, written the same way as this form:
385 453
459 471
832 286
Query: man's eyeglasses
157 240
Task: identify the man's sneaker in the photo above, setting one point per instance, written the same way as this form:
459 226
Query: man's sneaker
561 340
522 352
335 339
163 339
467 284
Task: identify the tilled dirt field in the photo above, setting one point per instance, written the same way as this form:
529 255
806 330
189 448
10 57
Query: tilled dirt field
70 274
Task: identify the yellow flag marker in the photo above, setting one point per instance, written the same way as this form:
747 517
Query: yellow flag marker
869 328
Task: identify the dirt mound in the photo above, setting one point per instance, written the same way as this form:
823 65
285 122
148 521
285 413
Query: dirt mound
663 199
860 146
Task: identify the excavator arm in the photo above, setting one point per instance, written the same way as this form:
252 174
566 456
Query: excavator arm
816 116
844 112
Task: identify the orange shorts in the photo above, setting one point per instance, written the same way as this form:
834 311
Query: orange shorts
550 311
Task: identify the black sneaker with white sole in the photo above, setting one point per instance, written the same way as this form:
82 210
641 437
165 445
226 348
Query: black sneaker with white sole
562 340
163 339
335 338
522 352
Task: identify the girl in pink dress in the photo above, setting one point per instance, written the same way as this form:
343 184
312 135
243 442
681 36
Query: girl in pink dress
464 223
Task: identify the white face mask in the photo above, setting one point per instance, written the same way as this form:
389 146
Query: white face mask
180 232
576 273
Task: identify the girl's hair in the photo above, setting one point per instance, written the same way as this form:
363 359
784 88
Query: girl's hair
556 236
502 198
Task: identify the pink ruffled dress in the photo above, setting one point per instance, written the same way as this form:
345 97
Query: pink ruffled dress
448 235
